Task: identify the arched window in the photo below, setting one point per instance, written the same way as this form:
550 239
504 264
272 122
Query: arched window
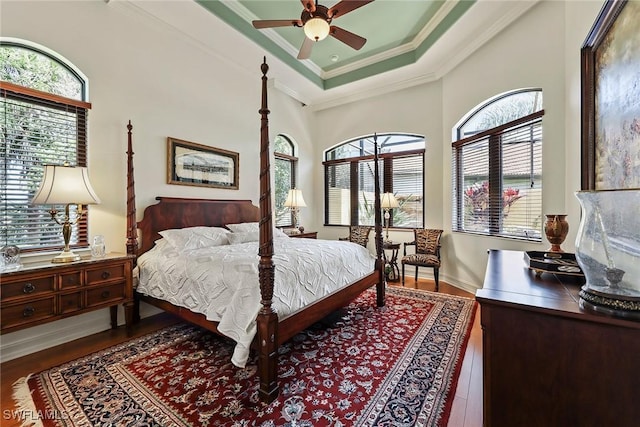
286 164
44 122
497 167
349 183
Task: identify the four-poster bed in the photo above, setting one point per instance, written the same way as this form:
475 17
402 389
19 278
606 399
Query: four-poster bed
272 331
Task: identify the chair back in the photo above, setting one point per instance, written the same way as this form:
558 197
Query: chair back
427 241
359 234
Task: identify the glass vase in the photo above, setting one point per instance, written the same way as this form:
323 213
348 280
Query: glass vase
608 251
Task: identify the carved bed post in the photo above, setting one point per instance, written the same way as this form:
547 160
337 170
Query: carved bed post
267 321
132 231
378 226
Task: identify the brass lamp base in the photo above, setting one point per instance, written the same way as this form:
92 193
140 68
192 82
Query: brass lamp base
66 256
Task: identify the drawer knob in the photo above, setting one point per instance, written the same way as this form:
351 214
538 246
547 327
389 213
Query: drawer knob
28 288
105 294
105 274
28 311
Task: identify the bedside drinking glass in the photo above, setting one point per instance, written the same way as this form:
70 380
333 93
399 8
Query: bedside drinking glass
97 247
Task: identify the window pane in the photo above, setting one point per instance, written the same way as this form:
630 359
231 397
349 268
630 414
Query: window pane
282 145
522 183
283 182
338 194
408 189
28 68
502 110
475 170
401 171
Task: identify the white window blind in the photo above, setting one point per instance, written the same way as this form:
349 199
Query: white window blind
349 189
497 180
37 129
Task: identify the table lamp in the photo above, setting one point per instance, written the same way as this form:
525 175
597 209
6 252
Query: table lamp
295 201
387 202
65 185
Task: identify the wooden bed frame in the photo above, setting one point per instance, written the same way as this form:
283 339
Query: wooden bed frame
179 213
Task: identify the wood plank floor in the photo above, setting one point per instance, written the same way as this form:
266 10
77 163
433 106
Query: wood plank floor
467 405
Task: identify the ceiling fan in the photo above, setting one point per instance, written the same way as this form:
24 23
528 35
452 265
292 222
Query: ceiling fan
316 22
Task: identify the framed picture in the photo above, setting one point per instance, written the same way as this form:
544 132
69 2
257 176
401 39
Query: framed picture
610 68
200 165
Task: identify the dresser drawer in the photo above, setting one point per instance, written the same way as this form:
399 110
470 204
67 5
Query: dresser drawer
70 280
106 273
70 302
28 288
105 294
28 312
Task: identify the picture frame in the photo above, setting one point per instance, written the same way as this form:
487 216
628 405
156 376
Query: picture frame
610 60
189 163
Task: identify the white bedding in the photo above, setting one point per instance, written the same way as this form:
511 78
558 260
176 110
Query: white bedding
221 282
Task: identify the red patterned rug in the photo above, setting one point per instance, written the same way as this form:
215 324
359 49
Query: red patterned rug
393 366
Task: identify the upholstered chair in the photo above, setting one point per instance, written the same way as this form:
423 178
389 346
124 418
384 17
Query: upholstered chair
358 234
427 252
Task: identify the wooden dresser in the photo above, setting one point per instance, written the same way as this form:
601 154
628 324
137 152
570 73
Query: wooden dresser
546 362
41 292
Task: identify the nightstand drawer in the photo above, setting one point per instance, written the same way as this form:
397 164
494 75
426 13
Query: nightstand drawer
98 275
28 288
29 312
105 294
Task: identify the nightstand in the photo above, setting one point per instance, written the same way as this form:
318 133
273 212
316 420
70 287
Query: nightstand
41 292
306 235
394 275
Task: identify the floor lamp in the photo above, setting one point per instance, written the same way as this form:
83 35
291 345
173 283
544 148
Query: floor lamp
388 202
295 201
65 185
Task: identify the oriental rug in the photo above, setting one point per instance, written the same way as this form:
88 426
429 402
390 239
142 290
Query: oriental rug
394 366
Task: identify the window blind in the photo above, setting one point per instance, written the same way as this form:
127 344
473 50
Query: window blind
37 129
497 180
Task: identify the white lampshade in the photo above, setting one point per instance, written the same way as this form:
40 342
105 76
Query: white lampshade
295 199
62 185
316 29
388 201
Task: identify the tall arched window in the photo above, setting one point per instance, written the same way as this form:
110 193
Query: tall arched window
44 122
286 164
349 183
497 167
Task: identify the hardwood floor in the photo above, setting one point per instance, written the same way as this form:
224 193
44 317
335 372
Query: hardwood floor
467 404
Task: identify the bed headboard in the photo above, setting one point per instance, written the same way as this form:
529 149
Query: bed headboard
172 212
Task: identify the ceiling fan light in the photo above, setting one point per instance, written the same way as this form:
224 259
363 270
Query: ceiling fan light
316 29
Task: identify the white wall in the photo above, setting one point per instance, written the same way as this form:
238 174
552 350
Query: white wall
167 84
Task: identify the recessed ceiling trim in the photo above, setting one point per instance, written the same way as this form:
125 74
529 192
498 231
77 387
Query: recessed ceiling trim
236 15
272 34
223 12
438 17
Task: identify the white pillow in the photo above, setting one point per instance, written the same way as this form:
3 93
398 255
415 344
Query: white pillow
196 237
243 227
243 237
248 227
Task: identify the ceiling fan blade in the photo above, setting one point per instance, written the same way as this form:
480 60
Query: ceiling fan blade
309 5
271 23
347 37
305 49
346 6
